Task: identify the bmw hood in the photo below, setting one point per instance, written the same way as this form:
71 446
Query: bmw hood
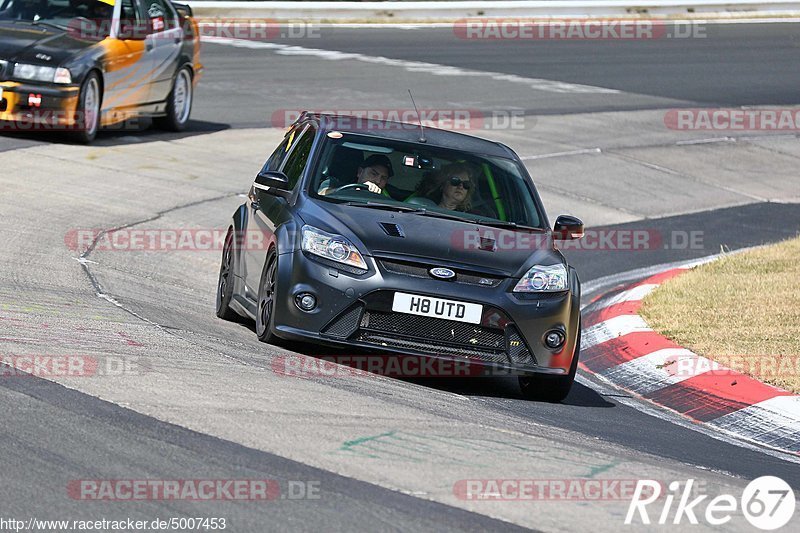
436 241
29 43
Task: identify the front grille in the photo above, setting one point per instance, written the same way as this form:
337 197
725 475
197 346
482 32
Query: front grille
418 270
435 336
371 321
436 329
431 348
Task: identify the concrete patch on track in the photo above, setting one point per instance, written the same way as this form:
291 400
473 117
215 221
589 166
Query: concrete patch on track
214 377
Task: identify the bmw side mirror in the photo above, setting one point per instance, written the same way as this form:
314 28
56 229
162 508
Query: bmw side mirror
568 227
273 182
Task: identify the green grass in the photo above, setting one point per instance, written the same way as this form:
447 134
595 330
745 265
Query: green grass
742 311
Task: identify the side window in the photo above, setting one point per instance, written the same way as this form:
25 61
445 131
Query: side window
276 159
130 23
298 157
162 17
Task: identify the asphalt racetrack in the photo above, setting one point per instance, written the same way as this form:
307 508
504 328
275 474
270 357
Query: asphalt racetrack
201 398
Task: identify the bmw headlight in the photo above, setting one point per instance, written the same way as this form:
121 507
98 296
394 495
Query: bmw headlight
25 71
541 278
333 247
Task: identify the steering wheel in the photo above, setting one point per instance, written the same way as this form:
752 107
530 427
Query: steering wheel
354 187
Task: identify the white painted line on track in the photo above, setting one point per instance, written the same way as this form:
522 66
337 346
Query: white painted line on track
630 295
563 154
658 369
414 66
611 329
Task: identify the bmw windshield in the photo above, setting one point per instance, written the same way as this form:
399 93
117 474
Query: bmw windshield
383 173
78 14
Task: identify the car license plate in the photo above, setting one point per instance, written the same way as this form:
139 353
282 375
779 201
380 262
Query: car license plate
414 304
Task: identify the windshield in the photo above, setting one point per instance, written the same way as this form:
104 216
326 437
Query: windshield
376 172
63 13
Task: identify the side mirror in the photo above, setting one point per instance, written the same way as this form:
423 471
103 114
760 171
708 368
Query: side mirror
568 227
273 182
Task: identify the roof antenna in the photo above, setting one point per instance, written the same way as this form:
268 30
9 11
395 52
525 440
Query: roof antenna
421 127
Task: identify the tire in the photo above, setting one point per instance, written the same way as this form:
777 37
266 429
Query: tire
265 312
88 111
554 389
225 283
179 102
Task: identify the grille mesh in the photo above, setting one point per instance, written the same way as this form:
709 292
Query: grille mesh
431 348
345 324
437 329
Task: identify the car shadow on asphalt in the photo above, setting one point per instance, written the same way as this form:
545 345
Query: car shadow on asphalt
143 132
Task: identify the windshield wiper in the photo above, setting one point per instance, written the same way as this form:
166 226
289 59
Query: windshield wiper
437 214
507 224
388 207
51 24
483 222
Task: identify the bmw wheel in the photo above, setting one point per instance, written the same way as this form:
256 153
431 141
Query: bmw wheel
88 110
179 102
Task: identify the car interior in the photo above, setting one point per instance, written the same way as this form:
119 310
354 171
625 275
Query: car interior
495 195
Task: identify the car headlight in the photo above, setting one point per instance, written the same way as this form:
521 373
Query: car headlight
541 278
333 247
25 71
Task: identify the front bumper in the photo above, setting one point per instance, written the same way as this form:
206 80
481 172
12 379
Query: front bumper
55 109
355 310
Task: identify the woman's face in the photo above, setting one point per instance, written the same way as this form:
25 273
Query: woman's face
456 194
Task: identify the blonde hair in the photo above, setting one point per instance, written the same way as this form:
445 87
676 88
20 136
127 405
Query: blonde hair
433 186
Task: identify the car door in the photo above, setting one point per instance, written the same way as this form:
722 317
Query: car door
267 211
126 63
164 44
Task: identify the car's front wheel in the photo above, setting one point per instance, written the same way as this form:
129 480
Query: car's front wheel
88 111
179 102
265 315
543 387
227 271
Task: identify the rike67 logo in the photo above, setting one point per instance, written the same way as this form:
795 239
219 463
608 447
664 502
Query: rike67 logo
767 503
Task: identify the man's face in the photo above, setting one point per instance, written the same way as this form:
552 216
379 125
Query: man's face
377 174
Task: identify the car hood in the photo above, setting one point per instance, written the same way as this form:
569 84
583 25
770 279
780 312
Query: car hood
21 42
436 241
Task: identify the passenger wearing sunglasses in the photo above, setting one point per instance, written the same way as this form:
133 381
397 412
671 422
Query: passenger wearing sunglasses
451 188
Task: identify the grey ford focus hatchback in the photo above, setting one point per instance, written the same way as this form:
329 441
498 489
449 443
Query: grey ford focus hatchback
386 237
